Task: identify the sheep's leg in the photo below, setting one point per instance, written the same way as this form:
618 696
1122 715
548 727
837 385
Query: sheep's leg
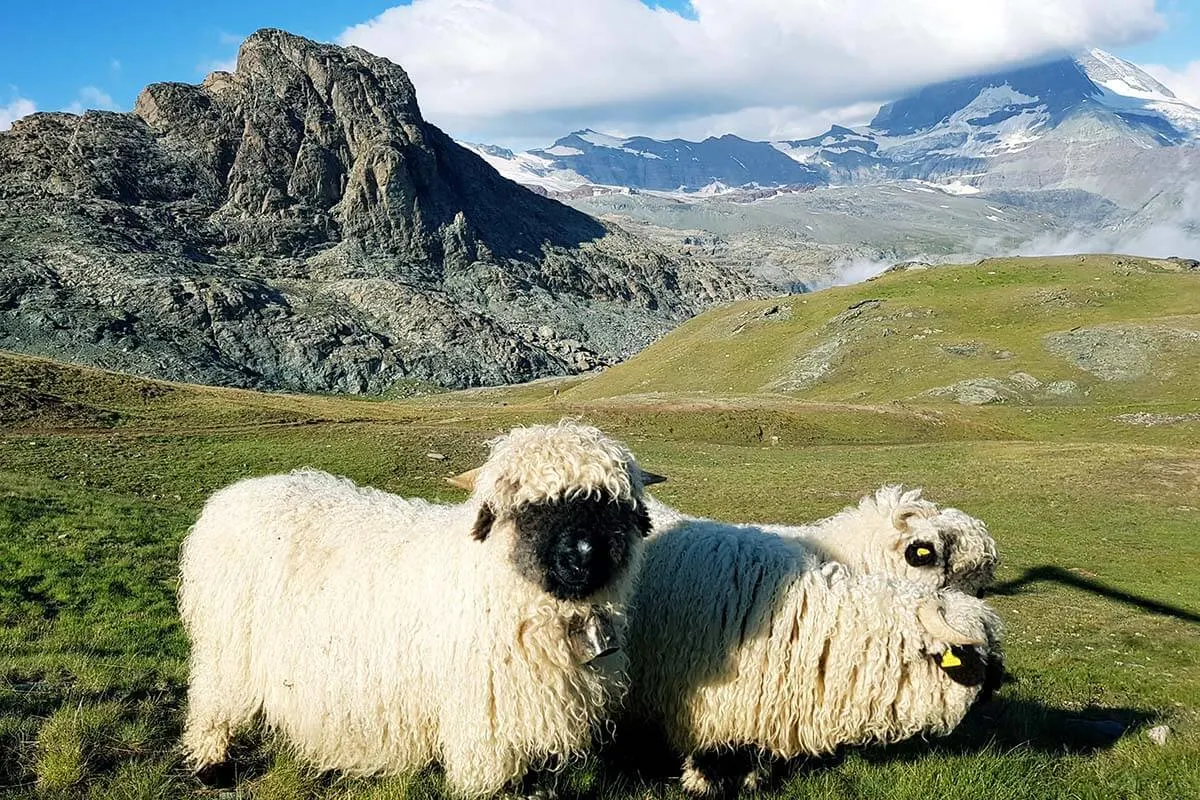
537 784
481 768
720 773
215 713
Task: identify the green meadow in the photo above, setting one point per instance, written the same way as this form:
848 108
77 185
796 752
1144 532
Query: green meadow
1088 476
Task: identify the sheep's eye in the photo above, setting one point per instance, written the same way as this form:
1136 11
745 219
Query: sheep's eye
920 554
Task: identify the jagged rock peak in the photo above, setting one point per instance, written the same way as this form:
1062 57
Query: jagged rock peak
285 62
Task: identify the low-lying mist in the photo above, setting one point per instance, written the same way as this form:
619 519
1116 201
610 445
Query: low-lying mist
1175 233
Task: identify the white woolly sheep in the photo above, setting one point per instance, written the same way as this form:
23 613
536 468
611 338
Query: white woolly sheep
892 532
739 637
378 634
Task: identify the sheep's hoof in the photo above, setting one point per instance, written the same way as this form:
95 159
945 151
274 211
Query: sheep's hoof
755 780
527 789
696 783
221 775
719 774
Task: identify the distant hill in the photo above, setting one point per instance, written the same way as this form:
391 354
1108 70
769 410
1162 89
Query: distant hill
1057 331
296 224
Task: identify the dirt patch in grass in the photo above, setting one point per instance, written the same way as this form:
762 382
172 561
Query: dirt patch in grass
22 408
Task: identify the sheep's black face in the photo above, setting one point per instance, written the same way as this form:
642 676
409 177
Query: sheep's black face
972 666
574 548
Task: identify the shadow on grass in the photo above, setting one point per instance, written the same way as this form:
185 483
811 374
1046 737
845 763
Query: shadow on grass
1054 574
641 757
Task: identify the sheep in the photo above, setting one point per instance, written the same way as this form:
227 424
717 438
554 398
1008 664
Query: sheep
741 638
378 634
893 532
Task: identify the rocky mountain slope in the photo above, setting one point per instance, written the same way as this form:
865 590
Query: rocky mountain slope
296 224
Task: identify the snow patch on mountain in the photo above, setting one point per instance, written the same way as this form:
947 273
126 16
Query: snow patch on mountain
1122 77
601 139
528 169
1130 90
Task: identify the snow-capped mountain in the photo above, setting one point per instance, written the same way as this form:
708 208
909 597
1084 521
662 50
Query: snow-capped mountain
1081 123
677 165
967 128
708 167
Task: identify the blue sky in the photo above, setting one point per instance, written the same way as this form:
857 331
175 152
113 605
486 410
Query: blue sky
65 55
53 49
1176 46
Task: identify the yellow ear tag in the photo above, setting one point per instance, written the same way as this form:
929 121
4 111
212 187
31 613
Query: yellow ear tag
950 660
923 551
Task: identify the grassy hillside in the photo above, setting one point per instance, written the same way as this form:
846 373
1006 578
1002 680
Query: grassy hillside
1095 515
1120 330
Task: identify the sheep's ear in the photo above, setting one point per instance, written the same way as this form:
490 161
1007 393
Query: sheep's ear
483 523
465 480
904 514
649 478
644 525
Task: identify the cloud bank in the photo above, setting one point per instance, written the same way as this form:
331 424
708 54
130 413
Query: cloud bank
19 107
1185 82
91 97
491 69
1173 233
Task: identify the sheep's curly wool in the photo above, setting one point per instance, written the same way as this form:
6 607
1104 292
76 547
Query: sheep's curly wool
377 635
742 637
875 536
538 463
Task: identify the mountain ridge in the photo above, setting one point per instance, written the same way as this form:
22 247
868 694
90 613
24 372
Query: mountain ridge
943 132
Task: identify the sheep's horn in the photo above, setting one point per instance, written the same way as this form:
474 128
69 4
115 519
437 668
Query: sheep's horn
903 514
930 615
465 480
649 478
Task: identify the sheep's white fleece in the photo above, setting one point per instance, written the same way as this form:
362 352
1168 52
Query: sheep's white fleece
376 635
742 637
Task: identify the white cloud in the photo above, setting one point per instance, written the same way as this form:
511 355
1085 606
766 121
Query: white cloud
511 67
91 97
19 107
217 65
1185 82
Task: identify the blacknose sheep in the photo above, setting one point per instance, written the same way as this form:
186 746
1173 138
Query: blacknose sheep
741 638
378 634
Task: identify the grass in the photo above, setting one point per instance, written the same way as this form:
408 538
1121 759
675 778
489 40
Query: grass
910 339
100 476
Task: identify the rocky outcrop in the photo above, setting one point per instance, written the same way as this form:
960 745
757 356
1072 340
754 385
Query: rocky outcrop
296 224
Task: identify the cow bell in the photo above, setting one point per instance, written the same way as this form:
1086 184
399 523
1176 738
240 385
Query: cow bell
593 636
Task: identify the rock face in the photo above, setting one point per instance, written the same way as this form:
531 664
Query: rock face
297 225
